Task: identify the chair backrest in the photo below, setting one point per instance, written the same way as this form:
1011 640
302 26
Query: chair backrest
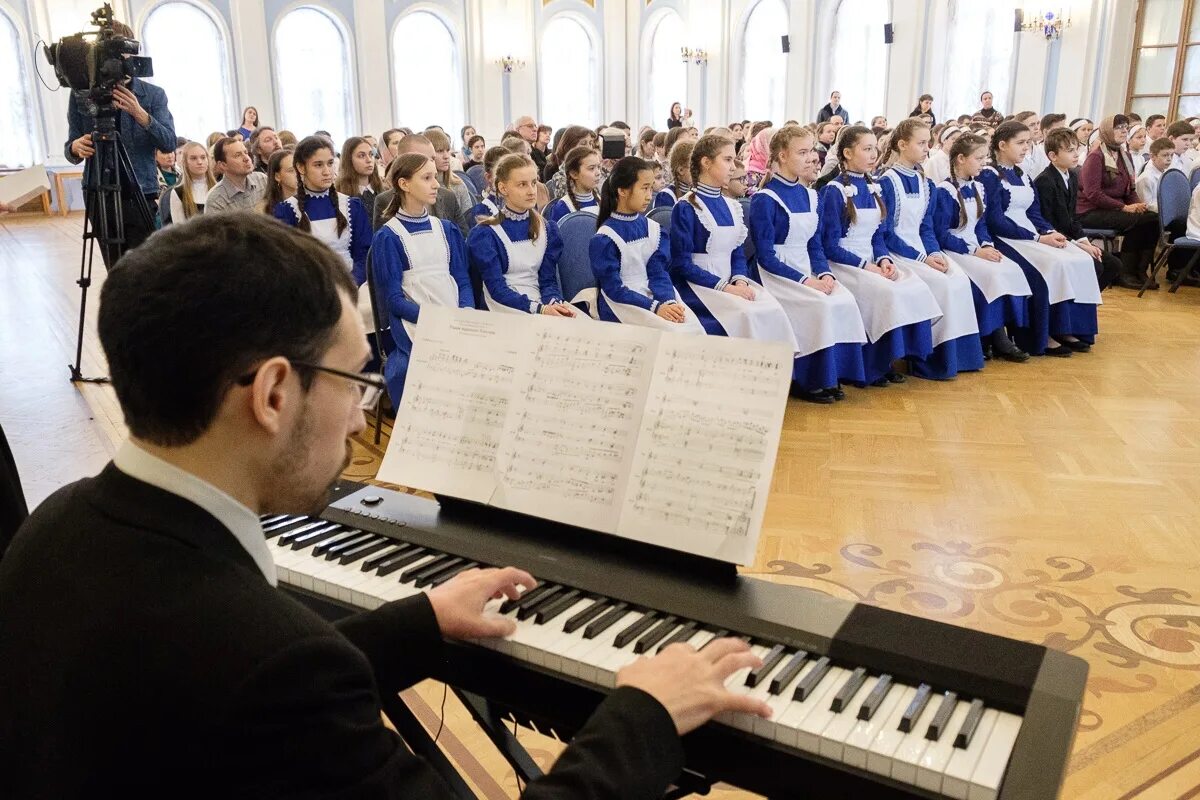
13 509
661 215
575 265
1195 180
378 313
470 184
744 202
1173 199
475 175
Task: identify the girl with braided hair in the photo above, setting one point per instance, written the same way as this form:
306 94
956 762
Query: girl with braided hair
897 307
998 286
908 232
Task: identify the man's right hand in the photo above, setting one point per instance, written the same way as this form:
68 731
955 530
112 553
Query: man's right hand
82 147
691 685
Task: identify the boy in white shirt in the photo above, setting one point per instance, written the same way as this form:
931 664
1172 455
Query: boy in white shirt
1183 136
1161 153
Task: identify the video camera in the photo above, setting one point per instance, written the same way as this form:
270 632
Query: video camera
92 64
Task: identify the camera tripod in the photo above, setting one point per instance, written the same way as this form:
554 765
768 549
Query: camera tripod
110 191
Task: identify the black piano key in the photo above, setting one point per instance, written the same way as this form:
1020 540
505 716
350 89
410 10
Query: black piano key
635 630
290 536
769 662
812 680
577 621
789 672
363 550
412 572
426 576
603 623
938 726
681 635
372 563
313 537
963 740
656 634
545 601
342 538
916 707
529 596
398 562
273 518
875 698
450 573
349 544
850 688
277 528
558 605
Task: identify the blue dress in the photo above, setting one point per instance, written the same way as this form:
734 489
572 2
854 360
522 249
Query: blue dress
489 256
1014 218
488 206
908 231
561 207
788 255
641 286
413 265
666 198
355 240
896 314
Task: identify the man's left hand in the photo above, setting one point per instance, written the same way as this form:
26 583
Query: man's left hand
458 603
127 101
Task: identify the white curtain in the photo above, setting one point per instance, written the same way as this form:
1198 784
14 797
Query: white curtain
979 57
18 147
313 75
860 58
185 43
764 64
427 73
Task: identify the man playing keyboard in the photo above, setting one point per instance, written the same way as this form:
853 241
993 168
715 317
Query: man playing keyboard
145 649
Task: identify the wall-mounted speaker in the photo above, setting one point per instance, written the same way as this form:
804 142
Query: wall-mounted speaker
787 44
889 33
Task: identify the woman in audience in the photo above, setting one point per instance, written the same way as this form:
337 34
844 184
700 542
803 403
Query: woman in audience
476 148
998 286
924 107
878 125
442 153
1083 128
897 307
489 203
1061 276
912 244
660 148
681 176
540 151
516 252
582 168
287 138
338 219
646 149
708 261
416 259
758 158
465 135
187 198
249 122
553 175
630 255
281 179
675 118
390 148
937 166
357 176
792 267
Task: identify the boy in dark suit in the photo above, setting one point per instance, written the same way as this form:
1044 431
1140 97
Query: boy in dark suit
1057 189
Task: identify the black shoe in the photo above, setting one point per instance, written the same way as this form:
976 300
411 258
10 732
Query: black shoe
989 352
1061 351
1153 286
882 382
894 377
1129 282
836 393
1016 355
1077 346
820 398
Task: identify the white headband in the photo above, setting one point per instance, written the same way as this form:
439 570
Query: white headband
1133 131
948 132
1079 123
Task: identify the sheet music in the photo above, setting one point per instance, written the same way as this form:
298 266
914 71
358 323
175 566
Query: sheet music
706 450
571 432
456 399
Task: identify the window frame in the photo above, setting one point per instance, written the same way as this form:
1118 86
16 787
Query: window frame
741 50
595 71
351 85
825 70
460 78
1188 13
26 82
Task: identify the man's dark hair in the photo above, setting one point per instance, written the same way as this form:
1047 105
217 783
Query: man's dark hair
1180 128
1153 118
218 151
203 302
1060 140
1052 119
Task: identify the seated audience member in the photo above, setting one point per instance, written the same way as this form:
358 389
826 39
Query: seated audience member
1161 152
189 197
241 188
447 206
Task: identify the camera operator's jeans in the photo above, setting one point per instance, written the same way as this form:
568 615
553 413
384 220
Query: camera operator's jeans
134 230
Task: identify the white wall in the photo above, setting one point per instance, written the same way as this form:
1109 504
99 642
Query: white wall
1083 74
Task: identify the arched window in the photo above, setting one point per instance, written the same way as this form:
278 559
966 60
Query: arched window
313 75
570 92
980 56
426 73
667 79
764 64
191 62
860 58
17 129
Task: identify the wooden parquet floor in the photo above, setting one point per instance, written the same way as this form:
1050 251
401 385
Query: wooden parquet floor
1056 501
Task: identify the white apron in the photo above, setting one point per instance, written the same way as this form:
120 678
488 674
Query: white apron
1069 273
885 303
819 320
952 288
326 231
761 318
570 201
427 279
524 262
994 279
634 258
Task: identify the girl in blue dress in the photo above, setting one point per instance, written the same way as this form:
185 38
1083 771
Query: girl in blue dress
416 260
489 204
516 252
680 163
998 285
908 231
630 255
897 307
784 225
1061 275
582 171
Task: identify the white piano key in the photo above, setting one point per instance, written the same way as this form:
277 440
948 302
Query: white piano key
908 754
879 756
736 683
779 703
555 641
762 692
797 710
808 733
932 766
601 647
956 782
834 737
858 743
989 772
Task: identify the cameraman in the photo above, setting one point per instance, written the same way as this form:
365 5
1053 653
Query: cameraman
146 127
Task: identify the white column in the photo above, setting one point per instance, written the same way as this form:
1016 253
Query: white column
252 54
371 46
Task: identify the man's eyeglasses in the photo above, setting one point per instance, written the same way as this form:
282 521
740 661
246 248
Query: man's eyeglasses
370 385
